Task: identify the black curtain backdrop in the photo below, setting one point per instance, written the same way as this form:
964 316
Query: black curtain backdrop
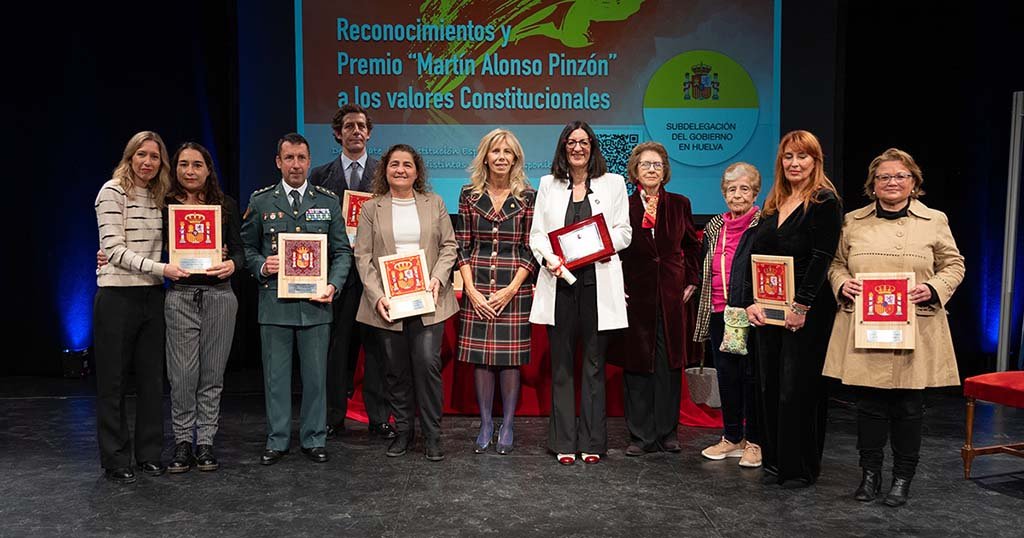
863 75
88 76
936 80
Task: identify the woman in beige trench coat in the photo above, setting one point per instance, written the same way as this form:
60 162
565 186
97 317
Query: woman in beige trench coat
896 232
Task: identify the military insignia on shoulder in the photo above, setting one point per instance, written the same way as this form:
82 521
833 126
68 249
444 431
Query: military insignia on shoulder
325 191
264 189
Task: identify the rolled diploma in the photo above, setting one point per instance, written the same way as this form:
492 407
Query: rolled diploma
566 275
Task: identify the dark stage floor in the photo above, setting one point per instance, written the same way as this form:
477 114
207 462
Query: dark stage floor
52 484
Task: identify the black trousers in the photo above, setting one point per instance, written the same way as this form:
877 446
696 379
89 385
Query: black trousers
885 413
737 379
128 333
795 401
347 335
413 365
576 316
652 398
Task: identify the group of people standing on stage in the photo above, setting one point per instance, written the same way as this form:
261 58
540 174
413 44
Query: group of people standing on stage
774 400
630 309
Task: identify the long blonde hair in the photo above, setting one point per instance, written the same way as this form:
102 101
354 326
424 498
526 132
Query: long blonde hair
478 171
799 142
159 185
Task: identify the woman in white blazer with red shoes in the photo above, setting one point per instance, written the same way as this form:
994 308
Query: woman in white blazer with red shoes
578 188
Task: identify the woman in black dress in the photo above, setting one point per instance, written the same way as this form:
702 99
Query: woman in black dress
802 218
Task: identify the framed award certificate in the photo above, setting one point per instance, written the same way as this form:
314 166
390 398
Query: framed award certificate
582 243
351 205
194 236
772 278
406 278
883 316
302 273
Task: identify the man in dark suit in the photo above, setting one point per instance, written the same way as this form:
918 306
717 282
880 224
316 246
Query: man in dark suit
352 170
293 205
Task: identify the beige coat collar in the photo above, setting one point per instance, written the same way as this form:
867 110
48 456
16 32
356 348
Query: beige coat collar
916 207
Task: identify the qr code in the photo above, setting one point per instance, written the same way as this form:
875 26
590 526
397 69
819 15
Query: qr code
616 147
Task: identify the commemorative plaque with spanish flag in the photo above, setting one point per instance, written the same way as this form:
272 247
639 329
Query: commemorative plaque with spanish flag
884 317
773 286
194 231
406 279
302 273
351 205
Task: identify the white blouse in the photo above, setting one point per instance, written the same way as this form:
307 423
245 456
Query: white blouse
406 224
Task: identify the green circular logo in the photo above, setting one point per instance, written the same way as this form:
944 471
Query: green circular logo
702 106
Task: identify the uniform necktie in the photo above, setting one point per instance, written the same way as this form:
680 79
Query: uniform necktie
353 176
296 198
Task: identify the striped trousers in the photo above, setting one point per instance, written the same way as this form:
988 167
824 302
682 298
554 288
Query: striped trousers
200 327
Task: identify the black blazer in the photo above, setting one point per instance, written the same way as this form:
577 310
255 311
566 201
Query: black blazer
331 176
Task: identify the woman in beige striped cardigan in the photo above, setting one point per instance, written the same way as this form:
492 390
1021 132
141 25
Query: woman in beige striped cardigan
128 311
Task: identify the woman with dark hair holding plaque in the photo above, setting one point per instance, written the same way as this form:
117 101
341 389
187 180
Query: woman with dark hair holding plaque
802 217
200 313
405 218
590 306
894 233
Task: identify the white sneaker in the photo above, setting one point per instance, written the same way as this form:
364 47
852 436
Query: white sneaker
725 449
751 456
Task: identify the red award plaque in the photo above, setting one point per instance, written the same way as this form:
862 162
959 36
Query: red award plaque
582 243
884 317
303 265
351 205
194 236
406 278
773 285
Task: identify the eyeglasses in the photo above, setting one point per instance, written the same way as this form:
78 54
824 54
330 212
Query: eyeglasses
583 144
651 165
899 178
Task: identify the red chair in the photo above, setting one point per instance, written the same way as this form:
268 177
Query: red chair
1004 388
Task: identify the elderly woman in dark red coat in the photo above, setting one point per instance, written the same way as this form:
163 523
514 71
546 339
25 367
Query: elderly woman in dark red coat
660 270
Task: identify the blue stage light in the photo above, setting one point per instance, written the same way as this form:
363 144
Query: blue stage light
76 271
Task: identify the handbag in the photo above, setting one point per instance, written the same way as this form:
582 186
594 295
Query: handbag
737 325
703 385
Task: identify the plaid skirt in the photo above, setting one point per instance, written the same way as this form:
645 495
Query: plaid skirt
504 341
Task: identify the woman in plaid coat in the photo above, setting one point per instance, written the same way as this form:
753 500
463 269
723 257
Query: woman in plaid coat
496 264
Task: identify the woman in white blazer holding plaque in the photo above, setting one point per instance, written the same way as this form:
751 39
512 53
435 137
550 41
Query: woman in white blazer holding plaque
405 217
578 188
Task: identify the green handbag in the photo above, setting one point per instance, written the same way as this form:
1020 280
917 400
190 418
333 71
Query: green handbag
737 326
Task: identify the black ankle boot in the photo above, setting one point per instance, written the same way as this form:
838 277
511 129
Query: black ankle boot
899 493
870 486
183 458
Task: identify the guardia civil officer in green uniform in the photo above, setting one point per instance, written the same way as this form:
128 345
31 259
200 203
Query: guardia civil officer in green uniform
293 205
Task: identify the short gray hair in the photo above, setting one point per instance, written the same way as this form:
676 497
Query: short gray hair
742 169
